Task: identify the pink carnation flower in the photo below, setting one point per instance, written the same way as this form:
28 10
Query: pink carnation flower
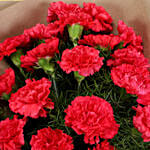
83 59
93 117
142 121
31 99
48 139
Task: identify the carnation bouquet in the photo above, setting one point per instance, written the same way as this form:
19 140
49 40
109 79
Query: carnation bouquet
73 84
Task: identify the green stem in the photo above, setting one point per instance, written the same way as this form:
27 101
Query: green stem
75 44
79 83
22 72
55 87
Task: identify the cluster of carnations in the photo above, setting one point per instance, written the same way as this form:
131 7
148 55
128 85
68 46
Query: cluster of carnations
88 115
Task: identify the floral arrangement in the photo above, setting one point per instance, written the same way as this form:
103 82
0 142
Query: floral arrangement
73 84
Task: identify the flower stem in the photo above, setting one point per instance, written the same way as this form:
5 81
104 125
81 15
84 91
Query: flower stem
79 83
75 44
22 72
55 86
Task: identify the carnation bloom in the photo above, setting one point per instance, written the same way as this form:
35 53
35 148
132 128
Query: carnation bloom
128 56
101 40
104 146
44 50
9 45
58 10
90 16
101 20
11 134
41 31
93 117
31 99
144 93
129 77
128 35
142 121
48 139
144 99
83 59
7 80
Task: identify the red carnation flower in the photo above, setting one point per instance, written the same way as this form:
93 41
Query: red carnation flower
104 146
101 20
31 99
144 99
93 117
97 20
129 77
144 93
7 80
41 31
58 10
51 139
83 59
128 56
11 134
44 50
128 35
142 121
101 40
9 45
